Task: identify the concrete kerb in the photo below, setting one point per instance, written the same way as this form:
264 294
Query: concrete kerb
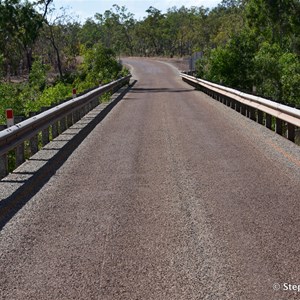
18 187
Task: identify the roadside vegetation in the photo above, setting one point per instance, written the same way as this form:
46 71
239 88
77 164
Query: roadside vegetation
244 44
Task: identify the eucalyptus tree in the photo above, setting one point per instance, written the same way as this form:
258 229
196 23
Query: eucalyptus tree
20 26
90 32
117 29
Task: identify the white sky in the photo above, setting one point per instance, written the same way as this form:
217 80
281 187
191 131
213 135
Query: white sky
88 8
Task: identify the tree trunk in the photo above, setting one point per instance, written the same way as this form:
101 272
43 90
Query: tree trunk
58 60
29 58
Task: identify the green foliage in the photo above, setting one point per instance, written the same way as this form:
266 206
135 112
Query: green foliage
278 73
230 65
100 65
105 97
264 52
245 43
8 99
1 65
289 64
38 75
51 95
267 68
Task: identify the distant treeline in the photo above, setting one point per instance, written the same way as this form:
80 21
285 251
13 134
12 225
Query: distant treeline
244 43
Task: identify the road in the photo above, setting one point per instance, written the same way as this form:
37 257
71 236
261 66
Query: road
172 196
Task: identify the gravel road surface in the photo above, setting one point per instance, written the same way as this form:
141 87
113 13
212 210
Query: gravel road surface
171 196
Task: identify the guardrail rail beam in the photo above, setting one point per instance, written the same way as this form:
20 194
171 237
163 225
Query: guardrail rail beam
281 118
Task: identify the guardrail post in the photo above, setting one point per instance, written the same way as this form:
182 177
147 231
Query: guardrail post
227 101
81 112
268 121
278 128
20 149
45 132
3 160
232 103
75 116
260 117
62 125
34 144
243 109
20 154
54 130
252 113
291 132
3 166
95 102
34 141
238 106
69 120
86 108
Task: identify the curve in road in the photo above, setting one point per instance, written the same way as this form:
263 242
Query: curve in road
171 196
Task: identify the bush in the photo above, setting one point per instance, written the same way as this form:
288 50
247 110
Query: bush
38 75
99 66
289 65
8 98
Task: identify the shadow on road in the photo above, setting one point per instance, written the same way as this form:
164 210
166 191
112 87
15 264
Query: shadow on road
160 90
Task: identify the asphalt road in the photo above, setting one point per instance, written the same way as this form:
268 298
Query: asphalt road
172 196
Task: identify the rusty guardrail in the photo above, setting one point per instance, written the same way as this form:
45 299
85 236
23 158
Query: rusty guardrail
38 130
284 119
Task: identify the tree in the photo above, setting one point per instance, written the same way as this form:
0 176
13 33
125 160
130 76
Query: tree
21 24
116 26
100 64
273 20
90 33
62 33
150 31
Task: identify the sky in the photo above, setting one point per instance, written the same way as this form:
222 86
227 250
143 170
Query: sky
88 8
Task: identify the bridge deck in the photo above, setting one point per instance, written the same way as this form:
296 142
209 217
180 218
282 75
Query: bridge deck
171 196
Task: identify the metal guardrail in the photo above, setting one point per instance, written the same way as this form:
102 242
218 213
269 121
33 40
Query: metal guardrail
283 118
51 122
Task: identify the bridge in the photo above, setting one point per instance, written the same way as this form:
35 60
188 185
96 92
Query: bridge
165 194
